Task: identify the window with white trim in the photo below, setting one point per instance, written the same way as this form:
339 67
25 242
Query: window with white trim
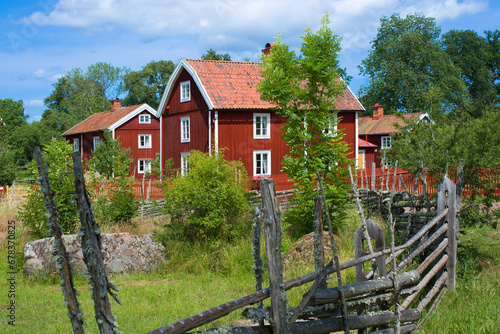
261 163
76 145
261 126
185 91
332 127
144 141
143 166
386 142
185 130
145 119
96 141
184 163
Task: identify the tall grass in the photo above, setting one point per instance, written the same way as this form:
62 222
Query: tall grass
475 305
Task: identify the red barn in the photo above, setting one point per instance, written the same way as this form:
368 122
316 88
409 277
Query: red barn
136 127
215 104
377 130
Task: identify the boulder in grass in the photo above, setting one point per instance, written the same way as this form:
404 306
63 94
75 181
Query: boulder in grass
122 253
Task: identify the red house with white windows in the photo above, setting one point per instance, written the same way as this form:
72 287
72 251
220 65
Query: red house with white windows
208 105
136 127
375 133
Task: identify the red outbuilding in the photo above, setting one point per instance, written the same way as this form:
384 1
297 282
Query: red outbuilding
208 105
377 130
136 127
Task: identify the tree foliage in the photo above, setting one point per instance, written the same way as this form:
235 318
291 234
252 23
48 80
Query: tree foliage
213 55
447 142
148 84
407 69
80 94
209 203
111 165
57 154
304 89
470 54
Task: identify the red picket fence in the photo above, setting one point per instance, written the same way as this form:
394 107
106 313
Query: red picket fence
404 178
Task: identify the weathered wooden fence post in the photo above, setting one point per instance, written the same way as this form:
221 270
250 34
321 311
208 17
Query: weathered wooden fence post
257 259
377 234
75 314
92 255
447 200
272 231
319 254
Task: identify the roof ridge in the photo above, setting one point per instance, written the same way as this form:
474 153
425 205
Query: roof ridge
224 61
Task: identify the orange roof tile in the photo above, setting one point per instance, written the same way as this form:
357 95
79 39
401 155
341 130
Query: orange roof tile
100 120
383 125
233 85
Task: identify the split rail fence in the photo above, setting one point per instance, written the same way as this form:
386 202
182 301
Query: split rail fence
381 300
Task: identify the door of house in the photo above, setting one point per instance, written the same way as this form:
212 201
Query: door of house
361 159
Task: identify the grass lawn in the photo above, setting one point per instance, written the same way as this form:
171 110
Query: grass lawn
195 279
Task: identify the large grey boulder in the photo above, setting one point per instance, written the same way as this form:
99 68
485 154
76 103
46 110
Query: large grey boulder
122 253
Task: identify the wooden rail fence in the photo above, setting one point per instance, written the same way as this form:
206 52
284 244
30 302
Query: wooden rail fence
392 303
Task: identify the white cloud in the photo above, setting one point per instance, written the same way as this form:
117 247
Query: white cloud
39 73
34 103
452 9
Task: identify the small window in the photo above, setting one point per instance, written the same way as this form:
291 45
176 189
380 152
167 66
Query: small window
96 142
76 145
144 165
185 91
261 163
185 130
144 141
332 127
261 126
145 119
184 163
386 142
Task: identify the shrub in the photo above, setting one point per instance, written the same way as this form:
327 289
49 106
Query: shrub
57 154
110 163
210 202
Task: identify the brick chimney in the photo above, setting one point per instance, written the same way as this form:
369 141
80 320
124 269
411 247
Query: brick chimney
378 110
116 104
267 49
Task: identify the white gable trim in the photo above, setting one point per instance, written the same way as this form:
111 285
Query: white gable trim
183 64
129 116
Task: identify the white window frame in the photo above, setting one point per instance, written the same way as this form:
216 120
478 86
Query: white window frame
76 145
185 89
332 127
143 166
147 141
144 119
267 171
185 131
184 163
258 126
385 142
95 142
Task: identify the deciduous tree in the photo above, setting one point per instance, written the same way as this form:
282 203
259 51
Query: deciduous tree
407 69
148 84
304 89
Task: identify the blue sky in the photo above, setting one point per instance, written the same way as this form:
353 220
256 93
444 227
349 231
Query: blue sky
42 40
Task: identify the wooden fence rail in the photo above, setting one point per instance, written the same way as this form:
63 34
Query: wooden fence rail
320 310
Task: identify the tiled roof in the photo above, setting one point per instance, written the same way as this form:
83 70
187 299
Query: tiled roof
233 85
383 125
100 120
365 144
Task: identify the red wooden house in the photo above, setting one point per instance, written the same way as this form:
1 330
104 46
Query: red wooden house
377 131
136 127
215 104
